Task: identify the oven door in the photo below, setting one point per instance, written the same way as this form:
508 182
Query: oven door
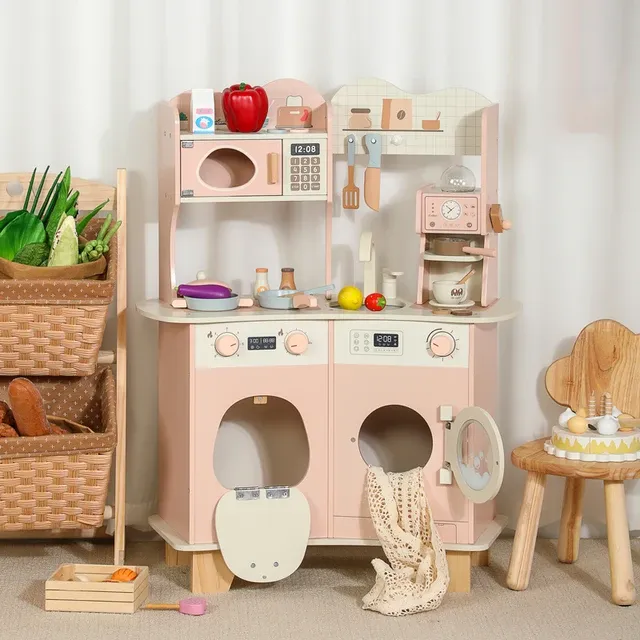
227 167
474 451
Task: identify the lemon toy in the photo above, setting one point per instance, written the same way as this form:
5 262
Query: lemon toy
350 298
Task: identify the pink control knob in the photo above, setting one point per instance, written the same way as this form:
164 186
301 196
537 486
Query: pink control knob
296 342
506 225
442 344
226 344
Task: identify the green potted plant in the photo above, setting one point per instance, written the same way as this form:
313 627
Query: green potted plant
184 122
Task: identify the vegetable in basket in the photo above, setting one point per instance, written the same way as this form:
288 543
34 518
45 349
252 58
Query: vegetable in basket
95 248
48 235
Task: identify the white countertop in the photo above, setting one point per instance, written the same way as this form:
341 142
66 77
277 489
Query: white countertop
500 311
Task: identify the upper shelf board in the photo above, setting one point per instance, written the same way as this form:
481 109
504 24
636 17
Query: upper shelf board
443 123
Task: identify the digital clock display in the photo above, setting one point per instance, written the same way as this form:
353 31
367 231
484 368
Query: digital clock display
311 149
261 343
388 340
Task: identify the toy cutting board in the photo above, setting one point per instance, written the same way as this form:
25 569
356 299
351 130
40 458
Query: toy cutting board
263 532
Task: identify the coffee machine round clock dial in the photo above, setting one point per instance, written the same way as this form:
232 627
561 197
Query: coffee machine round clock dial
450 210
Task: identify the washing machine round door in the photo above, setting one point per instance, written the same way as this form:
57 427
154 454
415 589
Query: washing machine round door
476 455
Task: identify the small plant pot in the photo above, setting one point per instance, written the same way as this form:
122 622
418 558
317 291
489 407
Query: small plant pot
184 125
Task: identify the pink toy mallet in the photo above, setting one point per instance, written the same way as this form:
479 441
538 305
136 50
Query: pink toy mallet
188 606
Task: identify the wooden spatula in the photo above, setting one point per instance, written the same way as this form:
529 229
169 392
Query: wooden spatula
351 193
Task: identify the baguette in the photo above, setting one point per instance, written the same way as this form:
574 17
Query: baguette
28 408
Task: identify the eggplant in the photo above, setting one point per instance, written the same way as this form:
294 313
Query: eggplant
204 291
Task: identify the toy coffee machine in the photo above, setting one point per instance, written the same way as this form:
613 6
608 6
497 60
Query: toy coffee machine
458 226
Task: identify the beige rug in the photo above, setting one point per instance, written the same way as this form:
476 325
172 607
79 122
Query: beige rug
322 601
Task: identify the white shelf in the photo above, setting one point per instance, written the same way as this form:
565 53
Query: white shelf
260 135
484 542
214 199
433 257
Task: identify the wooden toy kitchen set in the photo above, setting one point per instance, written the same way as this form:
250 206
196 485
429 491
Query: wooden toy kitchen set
272 406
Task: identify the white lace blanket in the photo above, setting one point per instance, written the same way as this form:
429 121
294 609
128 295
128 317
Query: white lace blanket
418 575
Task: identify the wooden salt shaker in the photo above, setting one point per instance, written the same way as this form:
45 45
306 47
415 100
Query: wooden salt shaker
287 281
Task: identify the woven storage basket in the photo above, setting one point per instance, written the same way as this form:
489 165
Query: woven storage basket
55 327
61 482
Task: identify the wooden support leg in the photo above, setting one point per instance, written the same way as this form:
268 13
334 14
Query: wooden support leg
623 590
209 573
480 558
459 571
524 541
571 520
173 558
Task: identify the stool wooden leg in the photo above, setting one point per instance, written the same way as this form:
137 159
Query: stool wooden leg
571 521
623 590
209 573
524 541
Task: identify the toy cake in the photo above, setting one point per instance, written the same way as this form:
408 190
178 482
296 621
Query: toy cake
611 436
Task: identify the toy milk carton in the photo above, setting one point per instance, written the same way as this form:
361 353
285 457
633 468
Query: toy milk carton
203 111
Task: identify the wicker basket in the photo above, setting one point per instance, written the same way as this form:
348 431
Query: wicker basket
61 482
55 327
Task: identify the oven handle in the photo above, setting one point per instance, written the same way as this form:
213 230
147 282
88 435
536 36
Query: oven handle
273 168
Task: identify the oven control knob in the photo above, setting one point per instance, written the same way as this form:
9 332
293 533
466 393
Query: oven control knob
441 344
296 342
226 345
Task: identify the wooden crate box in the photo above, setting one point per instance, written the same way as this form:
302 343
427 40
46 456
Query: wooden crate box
64 592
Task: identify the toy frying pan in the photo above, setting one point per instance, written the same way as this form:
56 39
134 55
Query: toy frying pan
218 304
283 299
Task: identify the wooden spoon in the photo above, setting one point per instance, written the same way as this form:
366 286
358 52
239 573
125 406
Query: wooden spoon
465 278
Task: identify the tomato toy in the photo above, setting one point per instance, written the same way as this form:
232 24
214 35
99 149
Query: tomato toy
245 107
375 302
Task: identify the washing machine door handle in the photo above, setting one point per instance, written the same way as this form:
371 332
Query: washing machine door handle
475 454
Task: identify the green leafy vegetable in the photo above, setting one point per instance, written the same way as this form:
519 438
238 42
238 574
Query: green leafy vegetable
12 215
39 191
33 254
52 191
52 218
26 199
64 248
85 221
23 229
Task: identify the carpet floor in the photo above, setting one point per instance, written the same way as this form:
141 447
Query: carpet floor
322 600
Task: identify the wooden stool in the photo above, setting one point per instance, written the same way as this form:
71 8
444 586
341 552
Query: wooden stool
532 458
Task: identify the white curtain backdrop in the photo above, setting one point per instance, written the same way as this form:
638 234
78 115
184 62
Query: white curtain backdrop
81 78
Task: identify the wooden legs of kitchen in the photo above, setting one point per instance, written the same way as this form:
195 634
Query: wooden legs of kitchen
210 574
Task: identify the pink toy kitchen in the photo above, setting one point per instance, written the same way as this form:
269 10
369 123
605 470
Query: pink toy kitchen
275 401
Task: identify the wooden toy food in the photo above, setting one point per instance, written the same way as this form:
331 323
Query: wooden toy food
245 107
123 575
205 291
350 298
28 408
577 424
375 302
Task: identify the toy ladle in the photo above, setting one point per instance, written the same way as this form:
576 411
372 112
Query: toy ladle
466 277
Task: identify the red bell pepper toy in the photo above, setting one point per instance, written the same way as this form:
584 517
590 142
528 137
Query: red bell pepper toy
245 107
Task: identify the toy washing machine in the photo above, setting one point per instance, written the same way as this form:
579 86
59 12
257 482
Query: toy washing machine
243 440
405 395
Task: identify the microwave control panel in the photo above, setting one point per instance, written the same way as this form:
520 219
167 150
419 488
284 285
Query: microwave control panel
304 170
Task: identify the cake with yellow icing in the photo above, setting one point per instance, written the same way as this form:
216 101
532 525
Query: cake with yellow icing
593 447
